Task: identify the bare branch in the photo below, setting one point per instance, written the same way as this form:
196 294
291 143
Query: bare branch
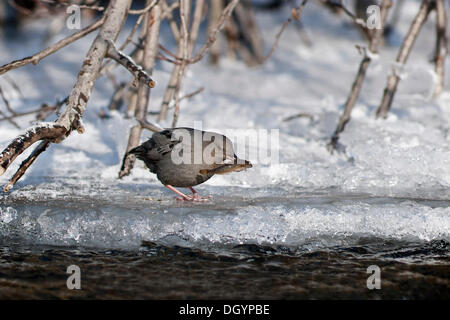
250 32
295 14
441 45
299 115
359 22
150 126
151 28
214 15
49 131
168 14
360 76
13 84
164 58
146 9
177 73
213 33
138 72
194 93
184 44
402 57
71 118
81 6
9 109
34 59
118 97
44 108
26 164
169 52
8 106
199 5
186 96
133 31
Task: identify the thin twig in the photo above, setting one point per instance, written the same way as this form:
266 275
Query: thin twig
146 9
43 108
186 96
8 106
150 126
214 15
357 21
213 34
249 32
164 58
172 23
360 76
81 6
295 14
118 97
299 115
441 46
34 59
14 85
9 119
402 57
161 47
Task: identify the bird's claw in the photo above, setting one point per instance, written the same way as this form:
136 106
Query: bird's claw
194 198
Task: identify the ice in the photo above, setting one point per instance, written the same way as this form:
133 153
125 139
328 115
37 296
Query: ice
303 220
392 182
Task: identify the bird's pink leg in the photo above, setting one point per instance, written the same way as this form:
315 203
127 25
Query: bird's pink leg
181 194
196 197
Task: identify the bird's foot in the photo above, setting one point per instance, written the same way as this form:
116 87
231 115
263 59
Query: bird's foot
193 198
182 197
196 197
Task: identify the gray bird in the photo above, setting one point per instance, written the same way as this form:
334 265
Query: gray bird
186 157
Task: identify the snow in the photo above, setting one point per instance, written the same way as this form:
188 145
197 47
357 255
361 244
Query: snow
392 182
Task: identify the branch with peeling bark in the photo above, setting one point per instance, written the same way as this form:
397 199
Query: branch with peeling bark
70 119
140 75
44 131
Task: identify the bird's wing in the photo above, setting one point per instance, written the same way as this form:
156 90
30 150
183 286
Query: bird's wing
219 148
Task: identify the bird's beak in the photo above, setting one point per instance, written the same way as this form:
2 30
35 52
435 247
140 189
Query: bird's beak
244 164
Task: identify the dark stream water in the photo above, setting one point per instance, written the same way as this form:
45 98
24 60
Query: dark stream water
154 271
